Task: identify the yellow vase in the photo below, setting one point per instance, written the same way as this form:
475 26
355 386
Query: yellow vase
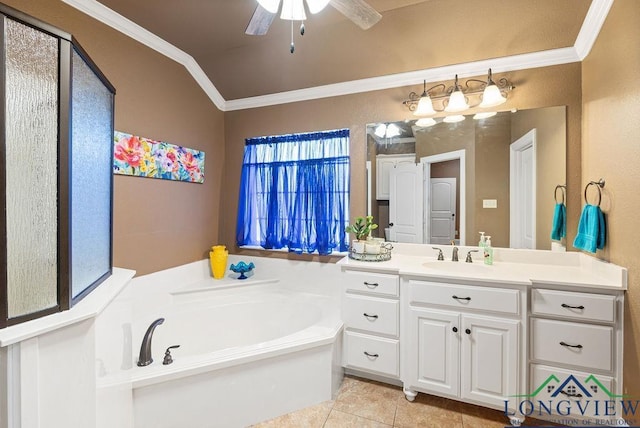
218 259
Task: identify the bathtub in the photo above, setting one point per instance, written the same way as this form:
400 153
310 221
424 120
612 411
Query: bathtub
249 350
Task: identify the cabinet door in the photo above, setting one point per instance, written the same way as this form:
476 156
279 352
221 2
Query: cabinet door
383 171
489 359
433 347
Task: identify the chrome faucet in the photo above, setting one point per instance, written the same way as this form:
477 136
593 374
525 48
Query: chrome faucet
145 349
454 253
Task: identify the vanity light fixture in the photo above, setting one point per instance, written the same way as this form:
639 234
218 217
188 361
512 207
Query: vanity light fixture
459 97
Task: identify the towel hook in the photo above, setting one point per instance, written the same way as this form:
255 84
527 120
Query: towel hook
600 185
562 188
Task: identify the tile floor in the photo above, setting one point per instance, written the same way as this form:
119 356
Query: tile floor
363 403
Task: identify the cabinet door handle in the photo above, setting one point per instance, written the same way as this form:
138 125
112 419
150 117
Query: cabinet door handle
571 346
564 305
371 284
375 317
468 299
571 395
467 331
371 355
455 329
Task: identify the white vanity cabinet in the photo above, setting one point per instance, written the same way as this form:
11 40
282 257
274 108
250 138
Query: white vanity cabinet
371 315
576 349
462 341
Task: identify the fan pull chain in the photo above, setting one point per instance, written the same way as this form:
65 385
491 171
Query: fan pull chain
302 28
293 46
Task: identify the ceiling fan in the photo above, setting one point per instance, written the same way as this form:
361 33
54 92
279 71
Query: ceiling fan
358 11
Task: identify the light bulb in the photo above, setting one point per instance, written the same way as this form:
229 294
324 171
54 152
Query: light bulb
492 97
453 119
425 106
425 122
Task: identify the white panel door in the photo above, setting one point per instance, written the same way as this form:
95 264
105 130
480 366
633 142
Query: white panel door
442 210
522 212
489 359
434 365
405 203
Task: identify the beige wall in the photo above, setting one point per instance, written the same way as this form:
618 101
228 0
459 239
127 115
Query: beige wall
157 223
541 87
610 150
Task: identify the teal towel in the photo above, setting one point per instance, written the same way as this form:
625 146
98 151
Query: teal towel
559 226
591 229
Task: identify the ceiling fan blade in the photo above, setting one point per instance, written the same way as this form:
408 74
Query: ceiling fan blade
359 11
260 22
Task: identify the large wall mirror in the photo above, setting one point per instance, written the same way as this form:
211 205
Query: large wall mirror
444 182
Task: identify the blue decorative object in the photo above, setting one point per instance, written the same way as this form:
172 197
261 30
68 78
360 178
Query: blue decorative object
242 268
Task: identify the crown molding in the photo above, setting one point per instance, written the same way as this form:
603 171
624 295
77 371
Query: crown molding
436 74
589 31
118 22
591 26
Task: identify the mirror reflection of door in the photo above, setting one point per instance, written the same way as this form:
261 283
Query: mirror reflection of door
442 210
522 179
405 203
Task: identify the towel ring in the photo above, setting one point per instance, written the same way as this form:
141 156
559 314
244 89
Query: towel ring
599 185
555 193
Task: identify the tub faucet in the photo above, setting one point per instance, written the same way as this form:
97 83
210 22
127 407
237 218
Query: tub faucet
145 349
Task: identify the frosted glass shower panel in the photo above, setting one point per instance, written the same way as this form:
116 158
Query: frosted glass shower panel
91 160
31 139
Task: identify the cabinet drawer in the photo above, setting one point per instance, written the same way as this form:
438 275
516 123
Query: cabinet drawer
371 353
584 345
372 314
465 296
570 304
374 283
576 386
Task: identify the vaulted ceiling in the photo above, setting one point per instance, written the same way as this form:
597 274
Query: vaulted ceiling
412 35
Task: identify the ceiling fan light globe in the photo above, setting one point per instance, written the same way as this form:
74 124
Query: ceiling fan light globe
492 97
270 5
316 6
293 10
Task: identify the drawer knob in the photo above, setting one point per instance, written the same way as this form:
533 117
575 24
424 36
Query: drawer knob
570 346
370 317
455 329
371 355
468 299
578 395
467 331
564 305
371 284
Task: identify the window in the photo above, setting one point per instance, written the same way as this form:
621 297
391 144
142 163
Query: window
294 192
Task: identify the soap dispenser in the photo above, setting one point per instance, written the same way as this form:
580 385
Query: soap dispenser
488 252
482 242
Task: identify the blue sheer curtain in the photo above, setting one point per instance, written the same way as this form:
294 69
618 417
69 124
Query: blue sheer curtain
294 192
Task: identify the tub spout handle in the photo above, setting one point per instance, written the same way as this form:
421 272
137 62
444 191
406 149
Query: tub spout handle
145 348
167 355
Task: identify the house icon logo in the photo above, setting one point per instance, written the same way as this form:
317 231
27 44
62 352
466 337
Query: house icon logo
571 387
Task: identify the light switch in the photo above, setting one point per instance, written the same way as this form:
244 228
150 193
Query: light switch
489 203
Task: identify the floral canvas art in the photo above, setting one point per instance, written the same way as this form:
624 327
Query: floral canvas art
143 157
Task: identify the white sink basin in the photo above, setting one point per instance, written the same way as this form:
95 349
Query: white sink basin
459 267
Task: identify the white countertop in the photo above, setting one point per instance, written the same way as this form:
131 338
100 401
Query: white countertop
524 267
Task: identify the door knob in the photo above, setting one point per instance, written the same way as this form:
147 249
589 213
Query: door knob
390 224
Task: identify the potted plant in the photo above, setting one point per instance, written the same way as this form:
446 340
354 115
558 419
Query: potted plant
361 229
